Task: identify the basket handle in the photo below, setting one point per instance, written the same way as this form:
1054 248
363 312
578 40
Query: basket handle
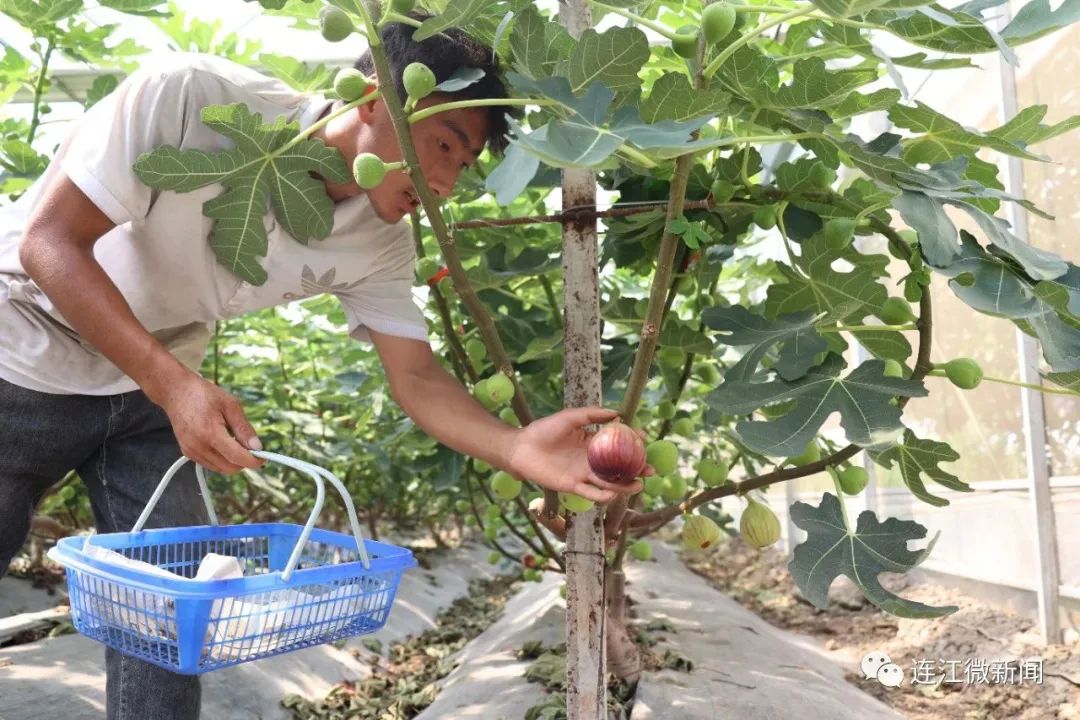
314 471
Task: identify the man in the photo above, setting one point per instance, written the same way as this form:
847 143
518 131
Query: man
108 292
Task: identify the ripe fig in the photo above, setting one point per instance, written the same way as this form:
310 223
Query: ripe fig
616 453
700 533
758 525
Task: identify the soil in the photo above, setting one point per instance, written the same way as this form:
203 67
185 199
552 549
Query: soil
851 627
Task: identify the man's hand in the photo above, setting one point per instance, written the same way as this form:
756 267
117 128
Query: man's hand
202 416
551 452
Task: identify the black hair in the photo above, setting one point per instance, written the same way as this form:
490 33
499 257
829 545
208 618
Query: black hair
445 53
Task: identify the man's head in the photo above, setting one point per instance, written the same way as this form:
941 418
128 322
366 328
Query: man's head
446 142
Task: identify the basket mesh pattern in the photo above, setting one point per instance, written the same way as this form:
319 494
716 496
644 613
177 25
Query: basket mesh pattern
201 634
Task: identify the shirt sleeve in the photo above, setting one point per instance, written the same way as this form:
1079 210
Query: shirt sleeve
384 301
148 109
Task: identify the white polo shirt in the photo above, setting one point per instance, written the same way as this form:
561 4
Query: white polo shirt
158 254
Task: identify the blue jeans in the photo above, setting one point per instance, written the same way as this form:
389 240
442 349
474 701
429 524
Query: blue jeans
120 445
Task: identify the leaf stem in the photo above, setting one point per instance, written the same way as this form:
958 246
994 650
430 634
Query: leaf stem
840 497
479 102
398 17
937 372
322 122
39 90
643 21
867 328
730 50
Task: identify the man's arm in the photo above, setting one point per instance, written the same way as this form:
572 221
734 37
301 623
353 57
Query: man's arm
57 252
550 451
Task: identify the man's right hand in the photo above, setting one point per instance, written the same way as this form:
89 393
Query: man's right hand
203 416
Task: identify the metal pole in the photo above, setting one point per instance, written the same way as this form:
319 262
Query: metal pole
1031 401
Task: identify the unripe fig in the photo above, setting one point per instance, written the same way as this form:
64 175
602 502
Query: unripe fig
402 7
368 170
700 533
663 456
508 416
708 374
475 349
501 388
722 191
685 42
494 557
426 267
717 21
671 358
811 454
765 217
491 532
964 373
758 525
462 506
351 84
896 311
853 479
839 232
674 489
654 485
665 410
616 453
492 512
575 503
482 391
893 369
778 410
419 81
335 24
822 176
481 466
530 575
641 550
713 473
562 591
684 427
505 486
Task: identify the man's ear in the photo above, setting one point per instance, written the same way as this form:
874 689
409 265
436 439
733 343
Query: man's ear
368 111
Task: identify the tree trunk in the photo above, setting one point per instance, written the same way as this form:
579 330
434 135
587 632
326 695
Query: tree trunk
624 658
586 676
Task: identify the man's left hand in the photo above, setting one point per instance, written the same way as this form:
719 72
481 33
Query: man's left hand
551 452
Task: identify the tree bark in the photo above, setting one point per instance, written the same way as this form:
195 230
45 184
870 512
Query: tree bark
586 675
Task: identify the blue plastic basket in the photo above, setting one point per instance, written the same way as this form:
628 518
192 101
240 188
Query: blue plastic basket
301 586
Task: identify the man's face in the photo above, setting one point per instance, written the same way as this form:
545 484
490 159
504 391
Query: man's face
446 143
